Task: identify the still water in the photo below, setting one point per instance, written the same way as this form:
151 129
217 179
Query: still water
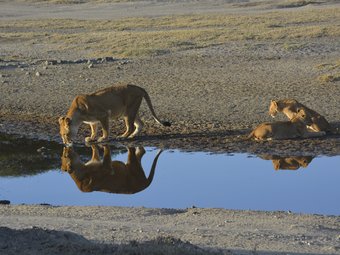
181 180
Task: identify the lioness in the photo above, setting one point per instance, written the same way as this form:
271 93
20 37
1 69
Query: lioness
290 107
107 175
294 128
121 100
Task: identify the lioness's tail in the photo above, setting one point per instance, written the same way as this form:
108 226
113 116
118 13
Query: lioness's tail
148 101
250 136
153 167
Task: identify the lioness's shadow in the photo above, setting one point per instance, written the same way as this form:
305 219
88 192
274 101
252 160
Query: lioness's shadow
107 175
288 163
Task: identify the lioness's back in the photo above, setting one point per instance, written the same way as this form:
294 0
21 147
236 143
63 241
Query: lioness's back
119 88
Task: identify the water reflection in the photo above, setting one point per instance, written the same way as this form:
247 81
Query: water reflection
288 163
107 175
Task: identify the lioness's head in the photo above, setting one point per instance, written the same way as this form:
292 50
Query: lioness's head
303 117
66 132
273 108
69 160
66 160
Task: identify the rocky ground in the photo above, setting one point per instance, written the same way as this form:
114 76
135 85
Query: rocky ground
213 96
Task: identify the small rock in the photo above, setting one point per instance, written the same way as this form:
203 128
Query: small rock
90 66
27 73
5 202
37 74
41 149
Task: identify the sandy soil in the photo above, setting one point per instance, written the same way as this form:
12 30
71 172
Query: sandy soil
213 97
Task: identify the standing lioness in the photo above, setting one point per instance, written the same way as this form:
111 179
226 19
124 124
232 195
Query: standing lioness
121 100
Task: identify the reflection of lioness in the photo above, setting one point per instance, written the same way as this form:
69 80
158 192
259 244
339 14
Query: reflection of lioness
290 108
108 176
289 163
122 100
295 128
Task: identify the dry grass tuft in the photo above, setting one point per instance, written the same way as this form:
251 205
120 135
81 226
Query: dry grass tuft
135 37
333 72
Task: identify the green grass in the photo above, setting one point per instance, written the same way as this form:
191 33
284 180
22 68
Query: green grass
135 37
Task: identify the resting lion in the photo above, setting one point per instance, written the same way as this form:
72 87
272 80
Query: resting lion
295 128
290 107
122 100
107 175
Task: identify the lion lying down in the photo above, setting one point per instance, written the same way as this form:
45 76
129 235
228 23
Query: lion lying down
290 107
295 128
121 100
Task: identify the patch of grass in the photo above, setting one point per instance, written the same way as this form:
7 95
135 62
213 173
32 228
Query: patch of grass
289 46
333 72
325 78
135 37
295 3
329 66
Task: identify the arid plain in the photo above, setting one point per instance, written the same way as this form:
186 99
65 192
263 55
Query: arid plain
211 68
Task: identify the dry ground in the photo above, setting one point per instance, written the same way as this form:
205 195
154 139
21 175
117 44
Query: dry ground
210 67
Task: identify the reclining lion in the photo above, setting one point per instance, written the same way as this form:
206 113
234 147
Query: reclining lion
121 100
295 128
290 108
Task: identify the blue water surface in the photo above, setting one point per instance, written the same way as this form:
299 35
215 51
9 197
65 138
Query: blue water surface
198 179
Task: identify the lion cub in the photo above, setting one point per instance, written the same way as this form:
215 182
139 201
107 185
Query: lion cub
290 107
295 128
121 100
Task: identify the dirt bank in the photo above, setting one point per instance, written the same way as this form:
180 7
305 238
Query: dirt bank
212 92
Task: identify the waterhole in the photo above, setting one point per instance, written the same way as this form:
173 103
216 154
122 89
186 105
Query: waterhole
150 177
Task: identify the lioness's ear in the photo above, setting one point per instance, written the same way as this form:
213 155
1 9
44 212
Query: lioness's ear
60 120
83 107
273 102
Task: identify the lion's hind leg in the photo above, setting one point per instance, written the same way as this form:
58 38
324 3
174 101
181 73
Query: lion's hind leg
138 123
129 127
132 121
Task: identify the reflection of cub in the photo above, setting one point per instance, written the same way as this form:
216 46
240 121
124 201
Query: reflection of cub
107 175
289 163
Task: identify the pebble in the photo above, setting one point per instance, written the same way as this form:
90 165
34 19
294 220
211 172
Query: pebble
37 74
5 202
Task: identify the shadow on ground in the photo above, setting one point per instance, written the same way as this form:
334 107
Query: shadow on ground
44 241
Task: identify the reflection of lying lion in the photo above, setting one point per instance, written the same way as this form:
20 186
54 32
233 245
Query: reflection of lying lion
108 176
290 108
295 128
289 163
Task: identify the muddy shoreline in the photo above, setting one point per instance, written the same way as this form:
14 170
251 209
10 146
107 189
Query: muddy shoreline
213 94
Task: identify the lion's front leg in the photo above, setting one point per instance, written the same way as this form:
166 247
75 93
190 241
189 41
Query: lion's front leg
94 128
105 127
313 134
